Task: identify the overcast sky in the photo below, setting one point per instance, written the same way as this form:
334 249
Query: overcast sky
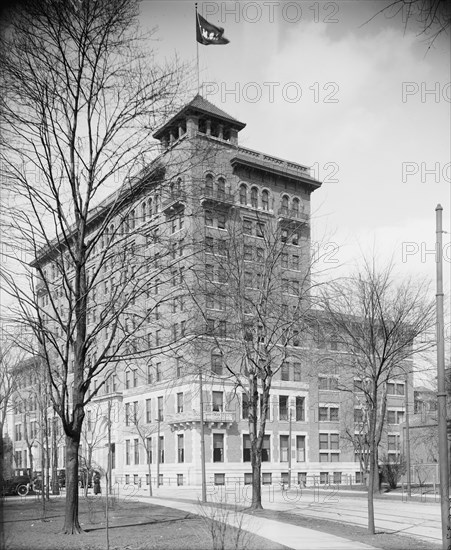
362 100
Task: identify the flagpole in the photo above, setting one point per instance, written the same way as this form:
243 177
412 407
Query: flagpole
197 52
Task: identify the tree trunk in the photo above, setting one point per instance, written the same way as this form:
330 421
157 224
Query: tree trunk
373 471
30 460
256 503
71 523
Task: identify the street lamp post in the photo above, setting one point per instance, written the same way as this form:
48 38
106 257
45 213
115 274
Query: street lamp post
202 439
441 386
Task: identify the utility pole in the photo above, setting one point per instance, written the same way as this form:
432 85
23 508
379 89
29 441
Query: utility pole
202 439
110 486
441 386
158 449
407 422
289 448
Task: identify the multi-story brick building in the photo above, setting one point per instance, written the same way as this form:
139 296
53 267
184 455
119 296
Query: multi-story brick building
151 399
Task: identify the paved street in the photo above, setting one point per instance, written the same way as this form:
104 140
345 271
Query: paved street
418 519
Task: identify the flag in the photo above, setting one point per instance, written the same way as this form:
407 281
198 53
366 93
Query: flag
207 34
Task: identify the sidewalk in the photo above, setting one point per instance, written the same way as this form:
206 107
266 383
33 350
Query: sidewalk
292 536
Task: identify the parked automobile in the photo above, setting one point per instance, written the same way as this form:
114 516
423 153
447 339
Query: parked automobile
17 485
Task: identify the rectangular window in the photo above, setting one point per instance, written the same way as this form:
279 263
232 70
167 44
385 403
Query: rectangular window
135 411
221 221
285 374
218 401
136 449
358 415
324 478
160 409
148 410
219 479
260 229
283 407
246 448
222 329
161 449
158 371
284 448
247 253
127 414
180 448
209 245
127 452
266 449
218 447
149 450
297 372
208 218
393 442
244 406
300 448
179 480
149 373
127 379
247 479
247 227
284 259
266 478
300 408
180 402
328 414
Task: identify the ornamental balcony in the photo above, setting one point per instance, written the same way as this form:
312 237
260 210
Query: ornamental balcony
292 215
216 196
174 202
189 419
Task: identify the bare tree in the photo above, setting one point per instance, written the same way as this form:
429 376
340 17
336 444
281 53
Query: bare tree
379 325
255 314
80 99
432 16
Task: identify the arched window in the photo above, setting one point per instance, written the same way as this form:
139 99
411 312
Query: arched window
285 204
254 197
157 204
132 219
265 200
243 194
295 205
143 212
209 184
221 187
149 208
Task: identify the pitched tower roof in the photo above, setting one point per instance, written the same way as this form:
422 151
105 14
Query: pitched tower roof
200 106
